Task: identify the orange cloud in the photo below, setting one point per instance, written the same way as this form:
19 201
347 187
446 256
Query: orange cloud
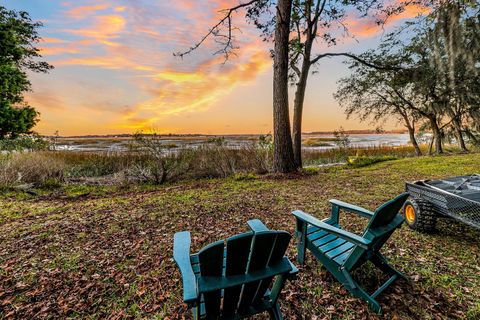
54 46
410 11
138 44
104 27
367 27
48 100
195 91
81 12
108 62
52 40
51 51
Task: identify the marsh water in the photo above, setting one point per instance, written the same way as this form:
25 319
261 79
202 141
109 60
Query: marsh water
311 141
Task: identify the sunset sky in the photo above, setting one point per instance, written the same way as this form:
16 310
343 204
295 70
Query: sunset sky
115 72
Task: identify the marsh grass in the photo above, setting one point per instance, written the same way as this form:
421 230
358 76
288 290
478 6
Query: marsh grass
335 155
319 142
207 161
30 167
211 160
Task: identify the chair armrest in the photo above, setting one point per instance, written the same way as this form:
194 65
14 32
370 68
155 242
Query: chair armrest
257 225
181 255
351 208
349 236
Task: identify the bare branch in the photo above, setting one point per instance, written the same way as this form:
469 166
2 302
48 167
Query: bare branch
354 57
318 11
227 46
294 66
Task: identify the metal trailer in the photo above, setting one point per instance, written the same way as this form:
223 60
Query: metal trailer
457 198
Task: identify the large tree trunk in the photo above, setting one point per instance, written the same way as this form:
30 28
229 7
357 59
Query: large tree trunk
413 140
301 87
437 135
430 146
411 133
283 160
458 134
298 111
473 139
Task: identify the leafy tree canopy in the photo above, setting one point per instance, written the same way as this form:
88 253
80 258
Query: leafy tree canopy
18 54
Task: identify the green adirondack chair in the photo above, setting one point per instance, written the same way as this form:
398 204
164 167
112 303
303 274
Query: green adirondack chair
237 277
341 252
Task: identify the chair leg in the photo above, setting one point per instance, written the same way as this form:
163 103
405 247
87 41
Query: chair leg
358 292
301 241
381 262
196 313
275 313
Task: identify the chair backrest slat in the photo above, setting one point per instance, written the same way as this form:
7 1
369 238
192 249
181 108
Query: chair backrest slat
383 222
211 264
245 253
238 252
385 214
261 249
278 252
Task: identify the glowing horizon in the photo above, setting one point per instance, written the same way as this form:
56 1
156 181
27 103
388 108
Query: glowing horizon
115 72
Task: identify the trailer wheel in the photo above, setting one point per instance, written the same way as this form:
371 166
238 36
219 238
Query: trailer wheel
420 215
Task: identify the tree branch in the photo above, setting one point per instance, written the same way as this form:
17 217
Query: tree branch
318 11
354 57
294 67
227 44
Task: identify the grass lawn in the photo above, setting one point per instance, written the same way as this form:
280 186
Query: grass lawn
105 252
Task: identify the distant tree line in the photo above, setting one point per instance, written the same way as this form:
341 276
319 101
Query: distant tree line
430 81
18 37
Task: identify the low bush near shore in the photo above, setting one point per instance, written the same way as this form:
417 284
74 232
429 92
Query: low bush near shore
137 166
30 168
363 161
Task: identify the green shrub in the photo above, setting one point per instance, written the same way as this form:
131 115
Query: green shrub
27 142
364 161
50 184
318 142
244 176
310 171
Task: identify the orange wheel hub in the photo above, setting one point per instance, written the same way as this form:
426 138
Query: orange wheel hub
410 213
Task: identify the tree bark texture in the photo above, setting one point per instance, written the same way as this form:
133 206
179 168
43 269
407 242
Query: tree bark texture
283 160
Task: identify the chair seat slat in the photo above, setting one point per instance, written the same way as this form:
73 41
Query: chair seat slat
340 259
332 245
317 235
312 229
324 240
339 250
